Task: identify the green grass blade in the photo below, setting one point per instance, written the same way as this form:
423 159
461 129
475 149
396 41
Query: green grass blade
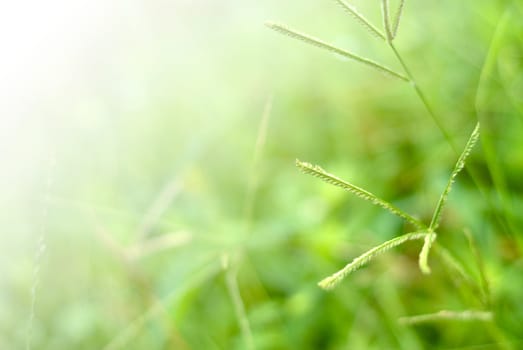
253 179
318 172
386 19
485 285
333 280
460 164
231 279
457 270
424 254
445 315
323 45
361 19
397 19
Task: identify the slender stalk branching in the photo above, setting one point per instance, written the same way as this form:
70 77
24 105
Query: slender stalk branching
333 280
429 233
323 45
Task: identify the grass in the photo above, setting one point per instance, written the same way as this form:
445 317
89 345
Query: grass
427 233
179 221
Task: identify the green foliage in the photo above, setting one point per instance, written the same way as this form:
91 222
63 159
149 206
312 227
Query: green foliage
429 236
177 221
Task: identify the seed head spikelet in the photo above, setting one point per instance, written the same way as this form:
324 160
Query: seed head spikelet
323 45
333 280
460 164
424 254
397 19
318 172
386 19
361 19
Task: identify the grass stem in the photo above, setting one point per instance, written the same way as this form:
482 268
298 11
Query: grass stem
231 279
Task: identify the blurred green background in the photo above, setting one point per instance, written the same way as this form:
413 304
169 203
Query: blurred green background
165 227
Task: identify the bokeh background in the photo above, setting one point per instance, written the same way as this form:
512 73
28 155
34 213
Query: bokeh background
150 198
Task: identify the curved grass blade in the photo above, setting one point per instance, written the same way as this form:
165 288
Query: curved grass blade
460 164
361 19
397 19
424 254
445 315
333 280
318 172
323 45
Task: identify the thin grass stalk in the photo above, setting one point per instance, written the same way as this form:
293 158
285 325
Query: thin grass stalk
489 65
231 278
157 244
507 224
485 285
159 206
252 184
446 315
422 97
